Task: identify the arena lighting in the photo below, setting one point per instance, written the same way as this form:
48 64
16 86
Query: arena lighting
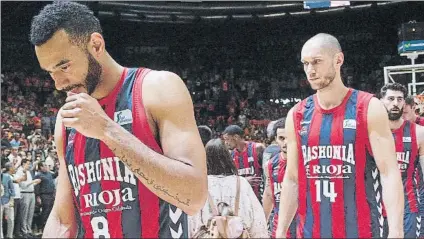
233 8
274 15
189 13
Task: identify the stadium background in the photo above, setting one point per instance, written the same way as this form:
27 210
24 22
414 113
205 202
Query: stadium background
240 60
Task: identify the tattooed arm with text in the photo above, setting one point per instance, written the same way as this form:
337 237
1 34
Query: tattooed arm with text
179 175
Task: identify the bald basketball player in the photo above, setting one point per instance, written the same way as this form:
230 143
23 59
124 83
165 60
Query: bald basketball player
123 170
409 142
340 156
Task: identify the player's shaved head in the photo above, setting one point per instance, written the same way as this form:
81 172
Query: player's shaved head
324 41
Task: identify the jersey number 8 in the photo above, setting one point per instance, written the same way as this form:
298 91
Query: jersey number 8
100 227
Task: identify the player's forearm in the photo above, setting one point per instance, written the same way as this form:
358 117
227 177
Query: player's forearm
267 202
393 199
57 228
288 206
173 180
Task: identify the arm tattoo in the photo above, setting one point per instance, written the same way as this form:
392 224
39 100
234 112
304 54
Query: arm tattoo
137 170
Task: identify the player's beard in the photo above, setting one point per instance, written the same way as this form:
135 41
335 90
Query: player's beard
94 72
395 116
328 79
92 79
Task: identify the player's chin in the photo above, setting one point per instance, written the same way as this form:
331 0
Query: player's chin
316 86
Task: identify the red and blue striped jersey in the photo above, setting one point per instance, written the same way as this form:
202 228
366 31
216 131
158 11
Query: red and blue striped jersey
276 170
407 157
247 164
110 201
339 182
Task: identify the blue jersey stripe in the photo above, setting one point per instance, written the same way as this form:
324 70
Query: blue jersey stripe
349 184
325 205
92 154
407 147
131 228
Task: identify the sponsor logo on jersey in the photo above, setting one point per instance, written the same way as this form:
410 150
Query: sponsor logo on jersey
349 124
105 169
123 117
406 139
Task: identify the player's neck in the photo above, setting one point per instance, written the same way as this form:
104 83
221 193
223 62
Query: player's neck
414 117
111 74
396 124
283 156
332 95
241 145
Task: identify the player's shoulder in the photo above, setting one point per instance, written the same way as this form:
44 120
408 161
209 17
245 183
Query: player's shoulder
376 107
419 131
272 148
164 89
161 78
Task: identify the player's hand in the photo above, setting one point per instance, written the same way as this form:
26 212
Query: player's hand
83 113
254 181
395 234
280 234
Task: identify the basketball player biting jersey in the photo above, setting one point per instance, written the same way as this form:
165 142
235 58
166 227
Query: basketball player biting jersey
274 174
409 142
123 171
247 157
340 154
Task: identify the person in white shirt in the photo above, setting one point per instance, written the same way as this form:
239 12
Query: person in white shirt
14 157
17 202
222 184
27 203
50 160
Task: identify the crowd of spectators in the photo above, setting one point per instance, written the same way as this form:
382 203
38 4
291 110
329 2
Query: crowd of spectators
246 93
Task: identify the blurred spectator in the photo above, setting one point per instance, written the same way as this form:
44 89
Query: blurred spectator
28 198
7 201
45 191
14 157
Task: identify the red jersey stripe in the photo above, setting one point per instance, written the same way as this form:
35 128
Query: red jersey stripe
337 207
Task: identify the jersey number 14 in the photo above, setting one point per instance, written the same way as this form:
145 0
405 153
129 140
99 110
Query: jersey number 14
327 189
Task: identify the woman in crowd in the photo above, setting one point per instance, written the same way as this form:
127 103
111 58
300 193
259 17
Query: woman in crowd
222 184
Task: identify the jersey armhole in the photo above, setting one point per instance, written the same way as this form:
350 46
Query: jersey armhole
364 109
64 140
141 127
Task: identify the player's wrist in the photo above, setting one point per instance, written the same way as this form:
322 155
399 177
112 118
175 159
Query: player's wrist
109 130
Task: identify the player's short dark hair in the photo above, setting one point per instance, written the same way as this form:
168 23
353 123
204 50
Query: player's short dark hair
394 87
410 101
77 20
280 124
205 133
234 130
